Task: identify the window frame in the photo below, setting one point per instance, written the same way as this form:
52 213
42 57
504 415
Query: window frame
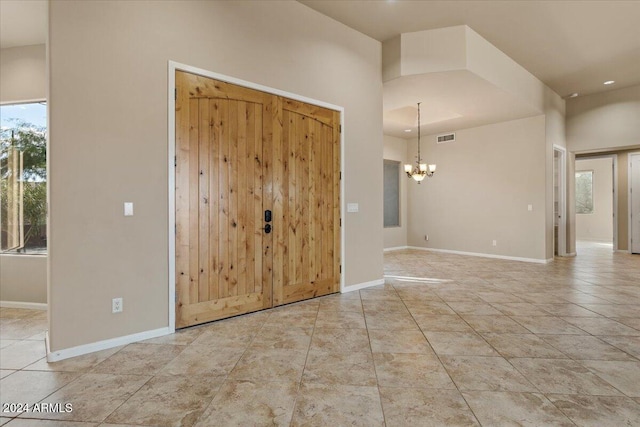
22 251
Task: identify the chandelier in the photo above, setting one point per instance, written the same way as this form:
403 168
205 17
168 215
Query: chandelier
420 170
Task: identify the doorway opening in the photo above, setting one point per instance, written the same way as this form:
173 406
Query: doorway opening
596 200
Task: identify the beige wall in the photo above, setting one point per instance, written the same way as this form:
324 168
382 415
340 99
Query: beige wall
490 63
597 226
604 121
484 182
396 149
554 109
108 79
23 74
23 278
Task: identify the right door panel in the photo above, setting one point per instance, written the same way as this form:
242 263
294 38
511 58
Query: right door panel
306 203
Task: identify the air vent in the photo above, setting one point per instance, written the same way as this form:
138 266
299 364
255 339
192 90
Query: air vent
449 137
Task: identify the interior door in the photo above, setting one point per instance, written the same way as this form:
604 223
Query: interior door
257 200
306 203
634 170
223 141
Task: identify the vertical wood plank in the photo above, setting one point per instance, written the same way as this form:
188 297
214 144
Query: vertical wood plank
203 198
286 211
336 201
257 196
182 196
232 242
194 200
300 190
317 202
250 199
272 132
279 218
294 198
327 201
214 197
306 186
223 205
242 194
312 142
319 142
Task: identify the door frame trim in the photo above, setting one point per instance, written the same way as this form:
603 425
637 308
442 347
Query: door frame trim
562 200
629 194
171 130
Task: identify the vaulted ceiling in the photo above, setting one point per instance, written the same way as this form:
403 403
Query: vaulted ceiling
571 46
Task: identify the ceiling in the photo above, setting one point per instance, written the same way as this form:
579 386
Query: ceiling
22 23
571 46
449 101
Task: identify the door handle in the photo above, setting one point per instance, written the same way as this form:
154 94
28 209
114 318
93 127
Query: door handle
267 228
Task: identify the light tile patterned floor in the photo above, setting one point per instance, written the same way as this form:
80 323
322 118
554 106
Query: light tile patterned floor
450 340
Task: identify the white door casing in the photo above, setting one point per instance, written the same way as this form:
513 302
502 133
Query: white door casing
634 203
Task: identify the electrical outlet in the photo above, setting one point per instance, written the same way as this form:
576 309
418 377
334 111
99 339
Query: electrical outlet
426 237
495 243
116 305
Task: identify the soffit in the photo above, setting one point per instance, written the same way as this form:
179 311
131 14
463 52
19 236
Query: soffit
571 46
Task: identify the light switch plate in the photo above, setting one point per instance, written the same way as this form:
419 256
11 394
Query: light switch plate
352 207
530 207
128 209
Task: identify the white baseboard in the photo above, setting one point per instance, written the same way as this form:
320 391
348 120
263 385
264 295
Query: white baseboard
55 356
363 285
569 254
481 255
396 248
27 305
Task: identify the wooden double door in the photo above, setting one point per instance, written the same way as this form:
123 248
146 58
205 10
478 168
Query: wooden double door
257 200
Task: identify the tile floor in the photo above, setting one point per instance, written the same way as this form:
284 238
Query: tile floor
448 340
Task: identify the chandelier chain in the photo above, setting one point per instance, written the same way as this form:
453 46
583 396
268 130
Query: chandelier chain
419 132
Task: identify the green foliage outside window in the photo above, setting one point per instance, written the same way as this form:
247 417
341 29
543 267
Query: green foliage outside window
28 142
584 192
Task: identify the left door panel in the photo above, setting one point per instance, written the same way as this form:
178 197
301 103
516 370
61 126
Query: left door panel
223 147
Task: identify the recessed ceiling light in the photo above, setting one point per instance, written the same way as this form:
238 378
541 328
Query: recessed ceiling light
609 82
573 95
407 130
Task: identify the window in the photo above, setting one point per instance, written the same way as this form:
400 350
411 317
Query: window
391 193
584 192
23 178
